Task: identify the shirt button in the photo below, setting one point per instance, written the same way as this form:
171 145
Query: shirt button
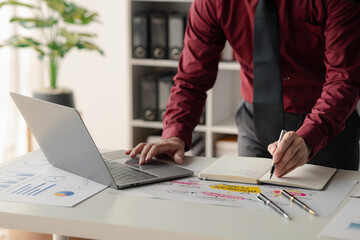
286 78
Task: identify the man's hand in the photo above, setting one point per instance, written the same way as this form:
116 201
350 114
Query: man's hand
291 153
173 147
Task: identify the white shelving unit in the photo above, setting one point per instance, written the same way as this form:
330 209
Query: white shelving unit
222 100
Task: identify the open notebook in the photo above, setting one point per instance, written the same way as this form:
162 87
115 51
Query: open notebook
257 170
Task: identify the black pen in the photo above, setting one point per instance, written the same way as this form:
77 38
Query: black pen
297 202
273 165
261 197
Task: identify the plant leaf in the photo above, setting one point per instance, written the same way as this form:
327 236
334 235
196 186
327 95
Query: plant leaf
87 35
77 15
24 42
89 46
34 22
15 3
71 13
71 37
56 5
56 49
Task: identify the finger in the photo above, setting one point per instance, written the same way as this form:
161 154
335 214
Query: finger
296 155
299 160
283 145
163 148
291 163
144 153
154 151
288 155
179 156
136 150
272 148
127 152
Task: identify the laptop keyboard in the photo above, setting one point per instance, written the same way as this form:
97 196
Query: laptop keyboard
124 174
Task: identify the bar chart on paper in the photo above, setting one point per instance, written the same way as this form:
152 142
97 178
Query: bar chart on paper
10 179
36 181
31 190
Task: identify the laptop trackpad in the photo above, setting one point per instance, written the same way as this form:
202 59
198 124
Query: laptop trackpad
134 162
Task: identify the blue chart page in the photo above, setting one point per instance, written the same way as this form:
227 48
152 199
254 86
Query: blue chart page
31 179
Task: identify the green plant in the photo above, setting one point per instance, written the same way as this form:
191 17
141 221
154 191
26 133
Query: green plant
52 18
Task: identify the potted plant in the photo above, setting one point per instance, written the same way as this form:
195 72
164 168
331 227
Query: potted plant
52 19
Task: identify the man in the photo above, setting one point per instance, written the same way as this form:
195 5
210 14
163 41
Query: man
319 44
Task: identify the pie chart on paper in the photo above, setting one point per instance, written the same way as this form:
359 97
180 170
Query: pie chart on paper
64 193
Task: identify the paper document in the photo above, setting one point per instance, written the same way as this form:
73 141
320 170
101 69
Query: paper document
345 225
243 195
32 179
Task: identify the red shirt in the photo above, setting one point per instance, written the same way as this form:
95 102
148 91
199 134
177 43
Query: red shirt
320 62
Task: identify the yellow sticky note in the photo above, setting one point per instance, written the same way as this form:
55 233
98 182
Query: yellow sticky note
236 188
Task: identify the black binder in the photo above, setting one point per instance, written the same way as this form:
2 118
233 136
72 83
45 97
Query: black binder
158 38
149 98
176 28
140 36
164 88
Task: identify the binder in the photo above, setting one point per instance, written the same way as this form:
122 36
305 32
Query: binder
140 36
148 96
176 28
164 87
158 38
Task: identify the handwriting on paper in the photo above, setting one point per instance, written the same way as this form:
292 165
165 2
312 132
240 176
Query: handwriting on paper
236 188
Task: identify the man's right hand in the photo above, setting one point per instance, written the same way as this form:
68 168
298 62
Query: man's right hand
173 147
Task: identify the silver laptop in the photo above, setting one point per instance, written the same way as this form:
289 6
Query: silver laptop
67 144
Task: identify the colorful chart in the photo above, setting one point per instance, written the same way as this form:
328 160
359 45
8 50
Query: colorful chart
64 194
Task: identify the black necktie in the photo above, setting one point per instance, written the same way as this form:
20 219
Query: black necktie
268 102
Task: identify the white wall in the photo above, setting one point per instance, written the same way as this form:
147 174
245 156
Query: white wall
101 82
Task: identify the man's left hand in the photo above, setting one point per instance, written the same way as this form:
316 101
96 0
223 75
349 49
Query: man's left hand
291 153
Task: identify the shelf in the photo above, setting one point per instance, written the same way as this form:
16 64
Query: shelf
154 62
227 127
235 66
158 125
146 124
174 64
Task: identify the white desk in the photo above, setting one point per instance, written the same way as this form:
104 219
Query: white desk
111 216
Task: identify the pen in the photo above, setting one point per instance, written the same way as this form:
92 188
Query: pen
273 165
261 197
297 202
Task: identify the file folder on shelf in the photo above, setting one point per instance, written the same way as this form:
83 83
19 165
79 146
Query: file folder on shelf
158 35
140 36
149 98
176 28
164 86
